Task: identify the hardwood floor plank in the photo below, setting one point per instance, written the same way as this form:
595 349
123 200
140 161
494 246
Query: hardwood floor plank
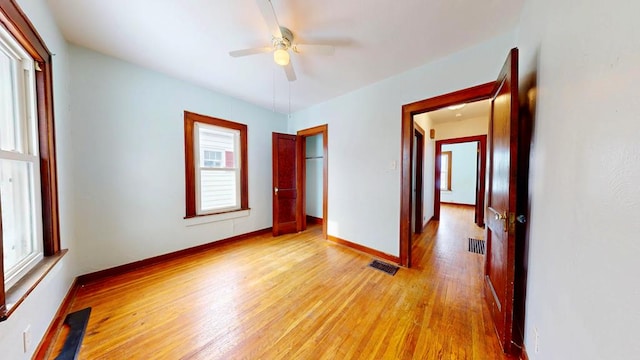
297 297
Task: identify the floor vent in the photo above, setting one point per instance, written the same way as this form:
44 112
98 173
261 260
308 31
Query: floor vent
383 266
476 246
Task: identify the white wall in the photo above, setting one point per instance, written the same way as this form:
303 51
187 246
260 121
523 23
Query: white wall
428 179
40 306
314 166
364 141
464 167
462 128
582 294
129 174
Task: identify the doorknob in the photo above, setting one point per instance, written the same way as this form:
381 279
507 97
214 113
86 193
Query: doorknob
275 189
501 216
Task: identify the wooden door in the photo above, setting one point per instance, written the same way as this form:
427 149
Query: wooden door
286 217
501 202
481 161
418 159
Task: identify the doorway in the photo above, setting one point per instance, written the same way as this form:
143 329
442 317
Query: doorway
417 177
480 92
289 174
313 164
477 161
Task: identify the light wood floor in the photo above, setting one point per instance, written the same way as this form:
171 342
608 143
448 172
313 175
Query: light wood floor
298 297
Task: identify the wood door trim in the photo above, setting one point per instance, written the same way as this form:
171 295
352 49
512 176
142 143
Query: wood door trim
475 93
324 131
482 139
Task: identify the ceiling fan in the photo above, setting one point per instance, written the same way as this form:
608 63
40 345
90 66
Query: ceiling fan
281 42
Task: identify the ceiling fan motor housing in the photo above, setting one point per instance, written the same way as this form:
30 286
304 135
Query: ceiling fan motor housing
285 41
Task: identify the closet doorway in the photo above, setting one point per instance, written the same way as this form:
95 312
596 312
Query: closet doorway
313 167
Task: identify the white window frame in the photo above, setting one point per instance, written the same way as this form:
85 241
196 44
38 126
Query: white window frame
199 168
25 150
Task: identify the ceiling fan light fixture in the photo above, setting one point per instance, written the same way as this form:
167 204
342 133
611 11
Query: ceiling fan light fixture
281 57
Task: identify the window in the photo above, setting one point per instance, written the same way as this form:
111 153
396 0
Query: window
445 170
28 184
19 162
216 165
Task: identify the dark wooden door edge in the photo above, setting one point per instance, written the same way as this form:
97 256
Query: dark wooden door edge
419 221
480 92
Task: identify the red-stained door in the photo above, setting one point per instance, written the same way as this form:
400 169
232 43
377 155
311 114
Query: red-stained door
500 260
286 217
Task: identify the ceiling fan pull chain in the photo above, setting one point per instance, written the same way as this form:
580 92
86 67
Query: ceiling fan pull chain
289 99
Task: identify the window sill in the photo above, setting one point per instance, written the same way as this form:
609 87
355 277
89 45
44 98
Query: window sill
19 292
209 218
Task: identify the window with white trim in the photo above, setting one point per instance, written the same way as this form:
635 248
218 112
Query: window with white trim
218 176
216 171
20 196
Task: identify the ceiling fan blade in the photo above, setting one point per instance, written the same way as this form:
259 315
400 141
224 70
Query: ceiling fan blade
313 49
288 69
269 15
252 51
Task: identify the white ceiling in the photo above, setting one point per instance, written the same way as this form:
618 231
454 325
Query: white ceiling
191 39
478 109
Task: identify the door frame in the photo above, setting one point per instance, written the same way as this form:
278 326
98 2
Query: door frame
480 175
475 93
418 132
302 173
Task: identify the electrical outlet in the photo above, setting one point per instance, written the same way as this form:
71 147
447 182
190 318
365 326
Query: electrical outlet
536 340
26 339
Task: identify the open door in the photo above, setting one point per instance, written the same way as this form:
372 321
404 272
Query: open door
286 187
500 260
481 169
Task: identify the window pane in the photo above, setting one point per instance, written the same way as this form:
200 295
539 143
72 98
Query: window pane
212 159
444 162
218 189
217 144
16 195
8 128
